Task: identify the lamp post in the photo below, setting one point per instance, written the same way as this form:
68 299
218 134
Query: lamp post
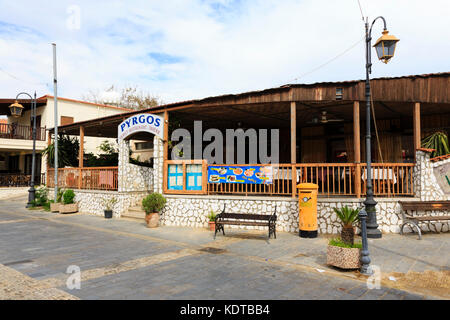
16 111
385 48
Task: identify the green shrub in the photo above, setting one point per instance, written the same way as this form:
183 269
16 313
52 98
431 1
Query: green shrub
339 243
109 203
46 205
68 196
59 195
153 203
212 216
40 196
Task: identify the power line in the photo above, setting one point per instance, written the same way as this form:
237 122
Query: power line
21 80
328 61
360 9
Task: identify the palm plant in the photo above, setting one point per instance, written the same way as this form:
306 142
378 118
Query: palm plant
67 152
348 217
437 141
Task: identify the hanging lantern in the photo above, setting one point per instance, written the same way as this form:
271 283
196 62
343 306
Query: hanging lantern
16 109
385 46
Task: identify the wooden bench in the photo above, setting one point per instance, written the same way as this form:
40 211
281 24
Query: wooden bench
260 220
408 208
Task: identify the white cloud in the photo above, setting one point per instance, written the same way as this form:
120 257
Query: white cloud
210 47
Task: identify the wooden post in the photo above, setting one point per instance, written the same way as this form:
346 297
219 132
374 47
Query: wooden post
80 157
293 132
166 136
165 150
81 151
416 125
357 147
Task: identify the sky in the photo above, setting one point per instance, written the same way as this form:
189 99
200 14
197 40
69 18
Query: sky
191 49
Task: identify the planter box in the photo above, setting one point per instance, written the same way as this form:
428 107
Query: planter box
212 225
54 207
344 258
68 208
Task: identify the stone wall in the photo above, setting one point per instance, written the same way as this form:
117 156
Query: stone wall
441 171
92 201
192 211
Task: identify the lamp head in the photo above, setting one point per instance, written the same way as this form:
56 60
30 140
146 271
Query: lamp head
16 109
385 46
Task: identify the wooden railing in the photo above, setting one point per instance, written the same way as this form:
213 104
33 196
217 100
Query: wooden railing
333 179
90 178
18 131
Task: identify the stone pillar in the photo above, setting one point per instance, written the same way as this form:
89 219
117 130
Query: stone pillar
158 164
426 186
124 159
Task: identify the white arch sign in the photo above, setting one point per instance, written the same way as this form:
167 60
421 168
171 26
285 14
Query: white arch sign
144 122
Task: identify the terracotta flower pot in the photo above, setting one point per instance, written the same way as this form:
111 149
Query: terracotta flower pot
212 225
54 207
344 258
68 208
152 219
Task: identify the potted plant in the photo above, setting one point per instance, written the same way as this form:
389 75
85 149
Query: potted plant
54 205
212 220
152 205
68 205
343 252
109 205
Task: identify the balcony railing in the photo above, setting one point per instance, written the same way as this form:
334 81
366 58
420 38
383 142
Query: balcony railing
18 131
20 179
90 178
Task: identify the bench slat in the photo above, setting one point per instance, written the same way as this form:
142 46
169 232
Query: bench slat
430 218
245 216
242 222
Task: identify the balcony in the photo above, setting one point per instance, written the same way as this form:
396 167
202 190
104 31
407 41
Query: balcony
20 132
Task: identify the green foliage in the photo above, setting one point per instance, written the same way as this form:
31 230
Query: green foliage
107 147
339 243
67 152
109 203
59 195
212 216
46 206
437 141
153 203
68 196
347 215
40 196
147 163
101 160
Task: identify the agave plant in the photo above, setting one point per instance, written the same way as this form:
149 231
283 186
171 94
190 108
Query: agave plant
437 141
348 217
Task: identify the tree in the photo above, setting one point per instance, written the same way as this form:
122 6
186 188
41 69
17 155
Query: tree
128 97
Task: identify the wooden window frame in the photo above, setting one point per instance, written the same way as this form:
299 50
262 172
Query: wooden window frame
184 163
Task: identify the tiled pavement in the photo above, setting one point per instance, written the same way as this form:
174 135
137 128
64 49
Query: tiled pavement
122 259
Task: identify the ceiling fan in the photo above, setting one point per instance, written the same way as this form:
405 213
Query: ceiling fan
324 119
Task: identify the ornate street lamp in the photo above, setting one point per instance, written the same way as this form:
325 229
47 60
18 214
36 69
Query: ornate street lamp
16 111
385 48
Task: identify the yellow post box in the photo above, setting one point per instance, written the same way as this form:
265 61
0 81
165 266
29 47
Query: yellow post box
307 205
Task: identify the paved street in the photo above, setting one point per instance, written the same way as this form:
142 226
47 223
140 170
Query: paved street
122 259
